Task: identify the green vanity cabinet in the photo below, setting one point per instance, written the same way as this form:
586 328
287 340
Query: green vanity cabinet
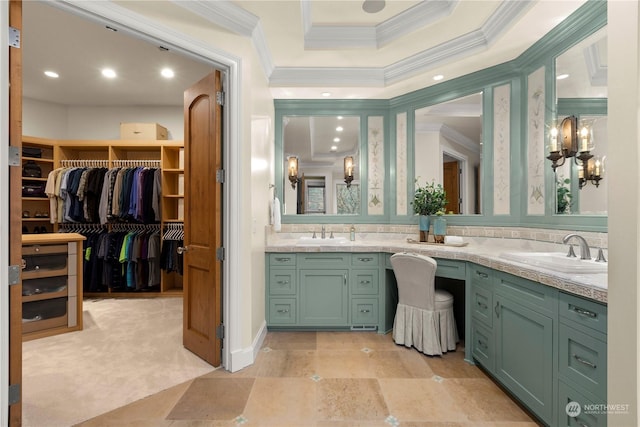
481 306
582 369
325 290
282 289
525 315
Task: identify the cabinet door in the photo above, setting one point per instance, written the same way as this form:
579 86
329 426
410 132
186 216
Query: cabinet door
324 298
524 354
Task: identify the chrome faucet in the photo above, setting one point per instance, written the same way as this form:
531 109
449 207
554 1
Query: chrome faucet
323 232
585 253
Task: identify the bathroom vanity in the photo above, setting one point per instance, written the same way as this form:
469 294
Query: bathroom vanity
540 333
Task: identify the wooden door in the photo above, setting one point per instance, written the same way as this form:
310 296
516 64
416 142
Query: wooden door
203 219
15 209
451 184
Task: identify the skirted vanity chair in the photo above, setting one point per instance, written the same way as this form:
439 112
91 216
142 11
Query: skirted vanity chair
424 317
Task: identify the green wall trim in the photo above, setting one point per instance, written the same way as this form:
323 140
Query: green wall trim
582 106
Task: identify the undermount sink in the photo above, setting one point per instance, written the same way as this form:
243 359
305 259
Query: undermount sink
318 241
557 261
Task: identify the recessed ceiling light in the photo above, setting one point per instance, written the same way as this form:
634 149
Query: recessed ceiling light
562 76
339 117
438 77
339 128
326 93
51 74
373 6
109 73
334 147
336 139
167 73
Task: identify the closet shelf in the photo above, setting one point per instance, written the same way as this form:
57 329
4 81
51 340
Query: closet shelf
38 159
174 196
173 170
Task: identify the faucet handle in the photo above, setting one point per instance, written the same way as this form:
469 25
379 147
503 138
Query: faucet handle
571 253
331 235
601 257
314 234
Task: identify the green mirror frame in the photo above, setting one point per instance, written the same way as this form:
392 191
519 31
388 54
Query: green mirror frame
589 18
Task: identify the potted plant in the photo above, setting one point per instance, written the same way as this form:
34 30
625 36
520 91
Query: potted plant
428 200
563 193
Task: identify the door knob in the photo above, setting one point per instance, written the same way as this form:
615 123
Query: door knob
182 249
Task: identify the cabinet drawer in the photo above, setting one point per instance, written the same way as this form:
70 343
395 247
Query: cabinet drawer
364 282
533 295
282 311
482 346
282 282
482 304
481 276
282 259
451 269
49 287
44 265
365 259
583 360
575 409
331 260
364 311
44 249
45 314
583 312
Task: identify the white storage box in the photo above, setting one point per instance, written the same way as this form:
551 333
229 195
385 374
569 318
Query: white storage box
148 131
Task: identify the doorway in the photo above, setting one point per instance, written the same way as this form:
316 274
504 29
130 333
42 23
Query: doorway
222 214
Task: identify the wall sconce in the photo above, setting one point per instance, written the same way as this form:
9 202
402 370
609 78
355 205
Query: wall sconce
348 170
293 171
595 172
577 144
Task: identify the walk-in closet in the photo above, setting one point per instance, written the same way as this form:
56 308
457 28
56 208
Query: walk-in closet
103 203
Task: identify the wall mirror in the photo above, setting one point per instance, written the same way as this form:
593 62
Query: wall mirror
322 161
581 91
448 151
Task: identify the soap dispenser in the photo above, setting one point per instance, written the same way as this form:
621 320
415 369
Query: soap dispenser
352 233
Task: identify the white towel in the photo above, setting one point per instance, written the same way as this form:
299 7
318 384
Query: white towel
453 240
275 215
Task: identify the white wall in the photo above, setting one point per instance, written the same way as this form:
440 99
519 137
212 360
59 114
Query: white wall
56 121
623 184
427 159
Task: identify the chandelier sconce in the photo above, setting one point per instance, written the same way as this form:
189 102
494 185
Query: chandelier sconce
293 171
568 141
348 170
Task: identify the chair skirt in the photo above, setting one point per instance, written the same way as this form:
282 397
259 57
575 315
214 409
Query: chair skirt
430 332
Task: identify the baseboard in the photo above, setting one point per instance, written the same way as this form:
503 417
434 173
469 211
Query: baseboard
242 358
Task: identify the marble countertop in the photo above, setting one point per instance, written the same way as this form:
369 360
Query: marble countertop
482 251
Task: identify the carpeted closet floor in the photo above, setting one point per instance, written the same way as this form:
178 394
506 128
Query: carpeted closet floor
129 349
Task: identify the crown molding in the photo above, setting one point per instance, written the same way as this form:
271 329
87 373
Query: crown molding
596 69
229 16
449 133
372 36
326 77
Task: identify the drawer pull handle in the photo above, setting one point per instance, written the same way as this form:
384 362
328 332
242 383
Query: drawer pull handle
482 344
37 267
283 282
497 309
581 424
483 275
365 259
345 280
584 312
283 310
364 310
482 305
365 282
584 361
283 259
37 249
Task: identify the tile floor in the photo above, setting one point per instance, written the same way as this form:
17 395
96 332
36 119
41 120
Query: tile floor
331 379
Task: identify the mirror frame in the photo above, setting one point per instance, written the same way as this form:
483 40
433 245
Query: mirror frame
358 108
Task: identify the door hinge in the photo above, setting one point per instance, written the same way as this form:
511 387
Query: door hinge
220 331
14 156
220 254
220 98
14 274
14 394
220 175
14 37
